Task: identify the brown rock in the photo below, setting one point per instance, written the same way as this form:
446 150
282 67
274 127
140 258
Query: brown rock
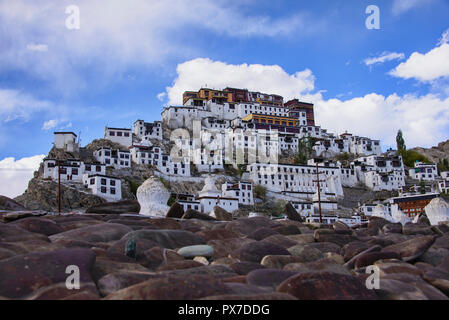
411 249
326 286
255 251
176 211
370 258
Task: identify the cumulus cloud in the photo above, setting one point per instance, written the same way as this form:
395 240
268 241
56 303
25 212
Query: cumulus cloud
53 123
402 6
423 119
428 66
203 72
15 174
384 57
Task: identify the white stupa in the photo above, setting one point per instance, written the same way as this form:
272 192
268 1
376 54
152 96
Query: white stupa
153 196
209 189
437 211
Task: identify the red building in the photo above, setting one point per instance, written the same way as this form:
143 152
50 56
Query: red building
296 105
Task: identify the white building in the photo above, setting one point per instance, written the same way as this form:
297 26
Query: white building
148 130
183 117
70 170
297 180
210 197
154 156
117 158
187 201
424 171
242 190
443 186
66 141
445 175
107 187
122 136
304 208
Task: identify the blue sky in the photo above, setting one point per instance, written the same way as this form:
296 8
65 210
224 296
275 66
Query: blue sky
129 59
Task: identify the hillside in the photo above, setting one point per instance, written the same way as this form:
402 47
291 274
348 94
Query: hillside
435 154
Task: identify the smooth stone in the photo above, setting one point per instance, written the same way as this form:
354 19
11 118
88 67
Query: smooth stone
411 249
268 277
103 232
197 250
370 258
326 264
169 239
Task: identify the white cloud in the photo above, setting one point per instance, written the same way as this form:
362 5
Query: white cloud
423 119
15 104
425 67
37 47
384 57
444 38
402 6
15 174
50 124
120 35
53 123
161 96
202 72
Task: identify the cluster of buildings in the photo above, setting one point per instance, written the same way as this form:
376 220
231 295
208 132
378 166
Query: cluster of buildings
226 122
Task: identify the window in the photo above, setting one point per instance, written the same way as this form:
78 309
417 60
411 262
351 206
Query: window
98 168
88 168
92 181
112 190
103 189
74 171
119 134
112 182
112 133
126 134
103 181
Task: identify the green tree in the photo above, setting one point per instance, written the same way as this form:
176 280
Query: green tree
400 142
260 191
305 150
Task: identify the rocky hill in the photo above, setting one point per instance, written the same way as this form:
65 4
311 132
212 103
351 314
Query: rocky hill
435 154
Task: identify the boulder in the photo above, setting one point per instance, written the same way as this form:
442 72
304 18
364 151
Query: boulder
262 233
169 239
287 230
248 225
245 267
217 234
178 265
115 281
255 251
326 286
125 206
176 211
326 264
392 228
400 286
152 197
30 272
13 233
191 252
280 240
268 277
369 258
278 262
411 249
221 214
103 232
352 249
223 248
393 266
39 225
350 264
173 288
193 214
10 204
305 253
291 213
417 228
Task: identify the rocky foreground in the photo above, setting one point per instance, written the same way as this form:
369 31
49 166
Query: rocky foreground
248 258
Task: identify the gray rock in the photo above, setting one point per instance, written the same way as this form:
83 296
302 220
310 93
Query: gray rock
191 252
